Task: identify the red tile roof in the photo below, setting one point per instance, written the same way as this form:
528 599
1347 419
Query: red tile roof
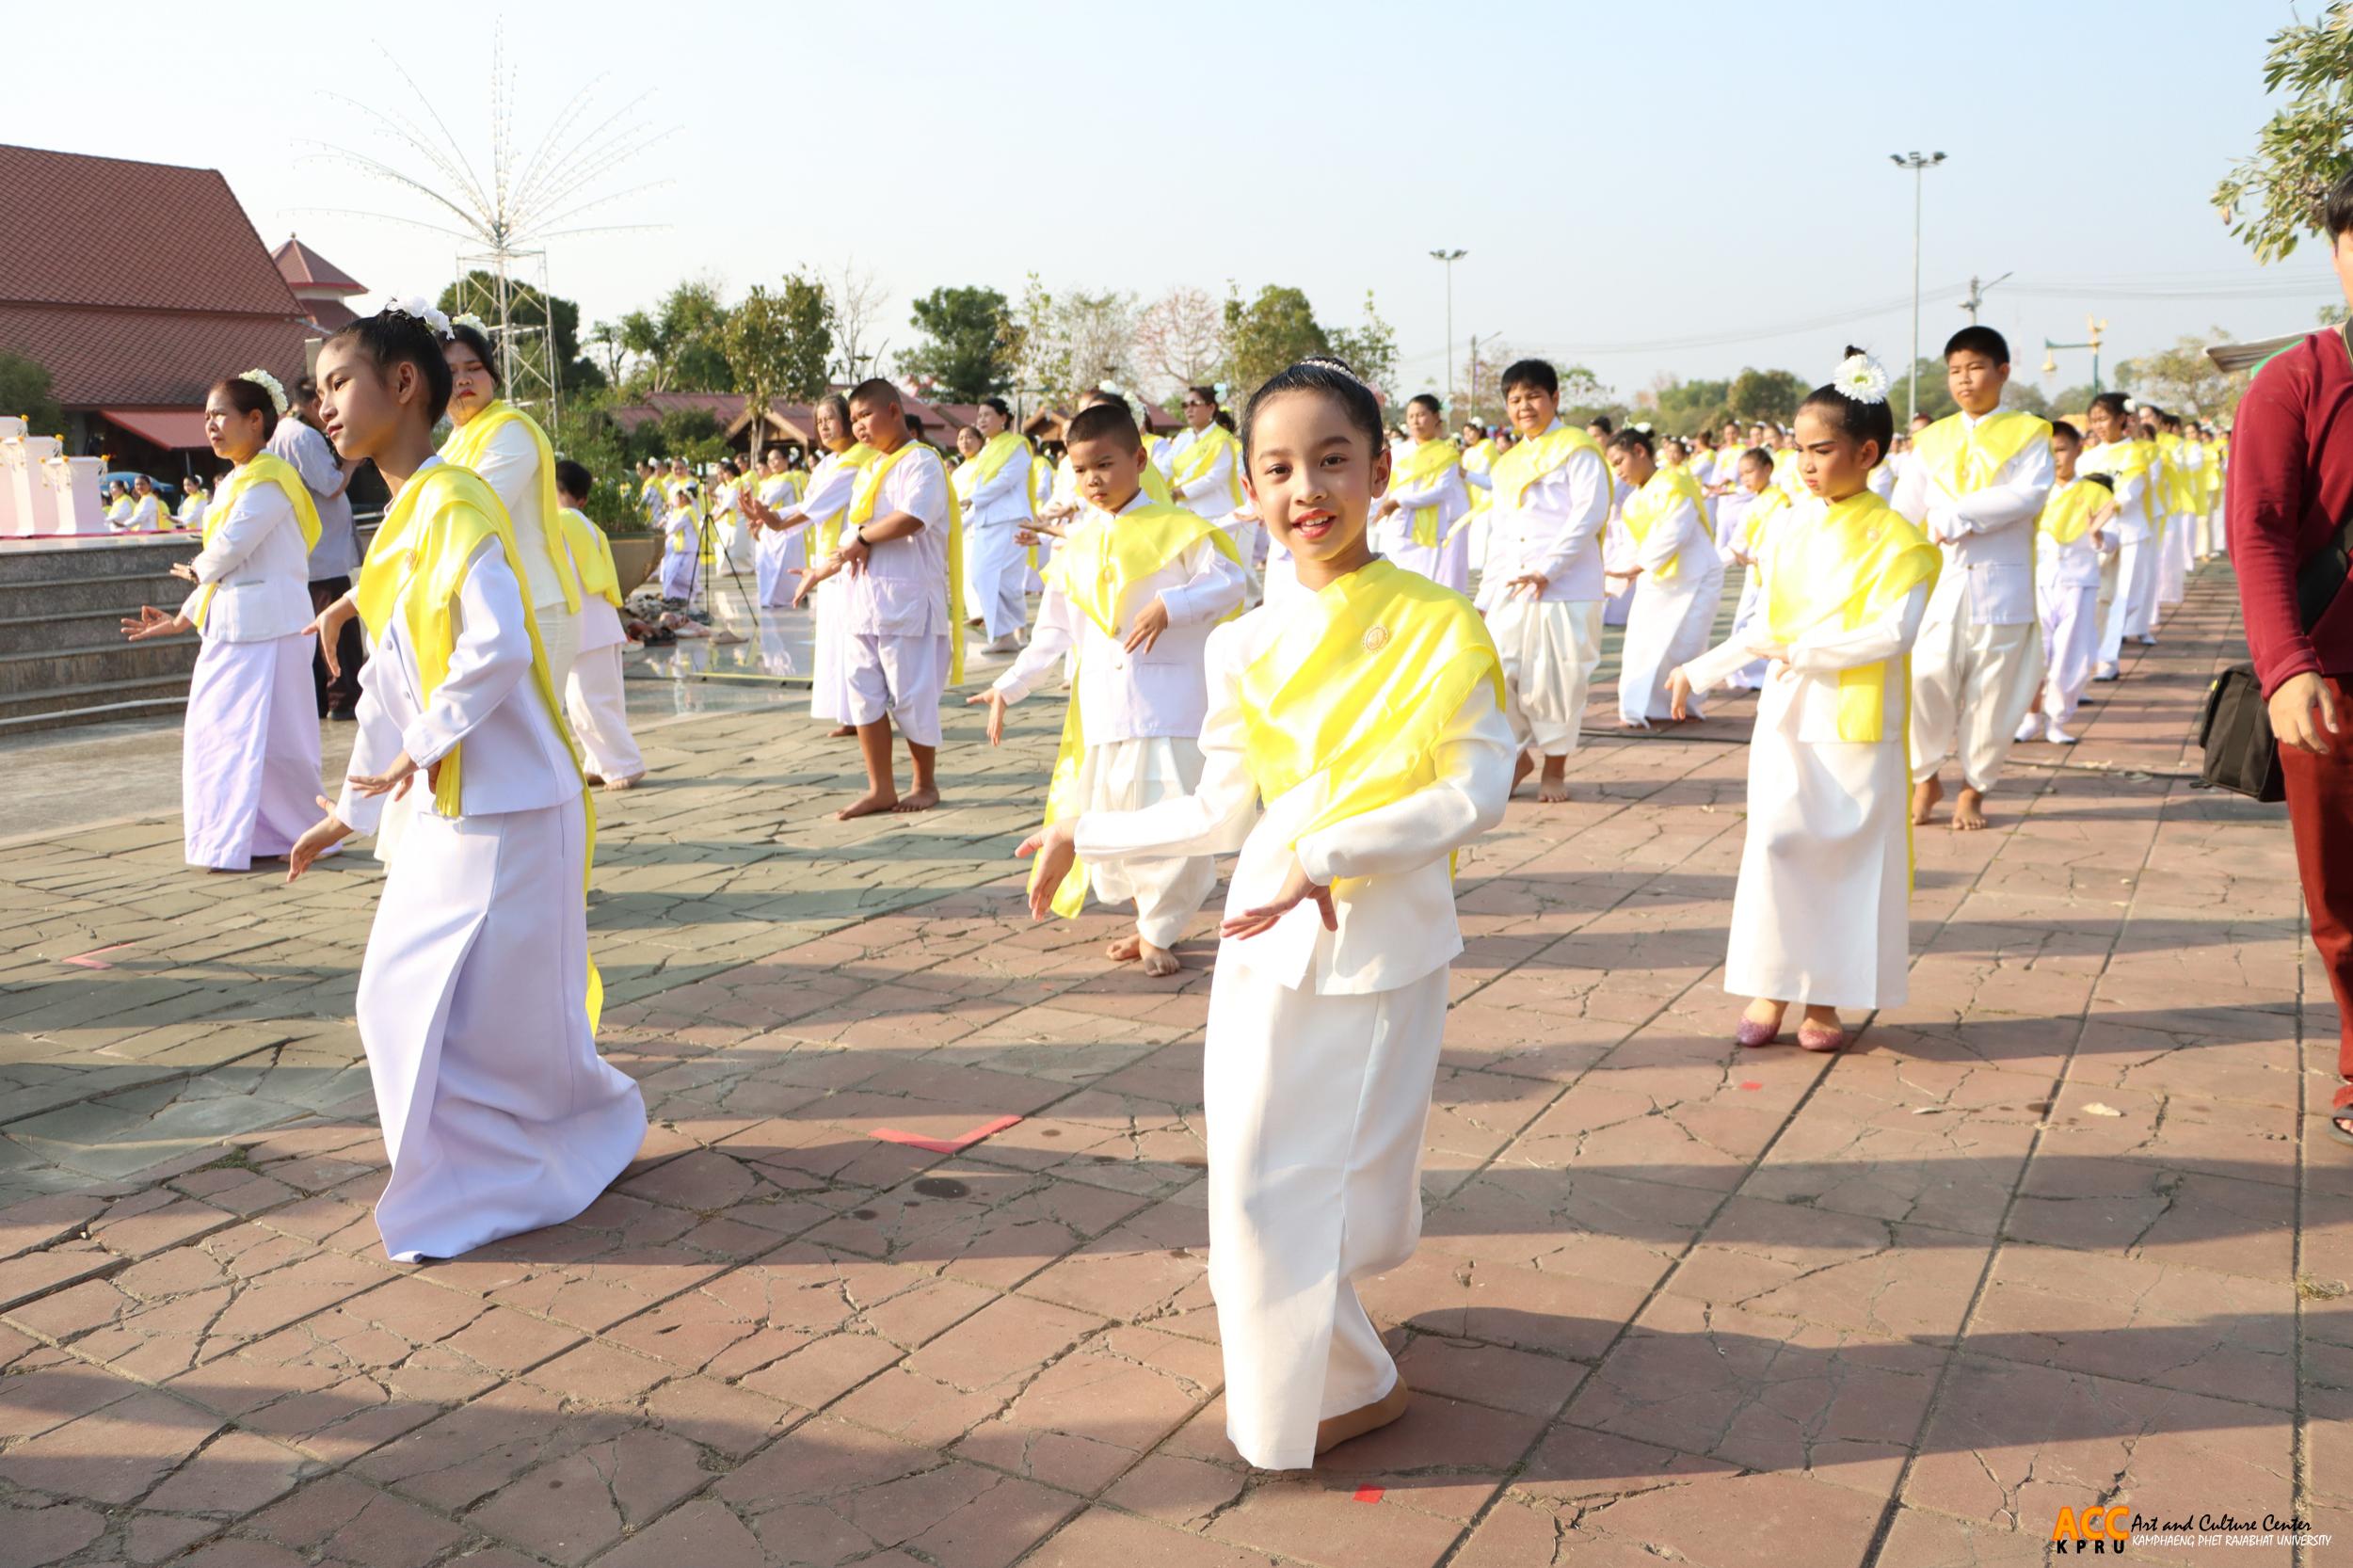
303 267
140 284
173 429
330 315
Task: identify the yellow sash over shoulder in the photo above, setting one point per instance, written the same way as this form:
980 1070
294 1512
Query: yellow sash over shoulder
2067 515
2132 459
1395 658
1841 565
1964 459
1648 506
263 468
1100 563
1196 461
829 528
1531 459
1001 449
416 565
1762 511
465 448
592 557
870 483
1424 465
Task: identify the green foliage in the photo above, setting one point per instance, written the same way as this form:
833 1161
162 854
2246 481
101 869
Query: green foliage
2069 400
1771 395
777 344
690 330
24 392
2024 396
1685 407
528 307
1936 397
2182 380
2271 199
1369 349
1267 335
968 349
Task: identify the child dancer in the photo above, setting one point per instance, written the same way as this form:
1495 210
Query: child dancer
2130 463
682 563
1540 588
593 694
2067 588
904 643
1428 502
1365 716
1135 590
1001 503
825 502
778 555
250 761
1762 502
1679 580
477 1002
1819 918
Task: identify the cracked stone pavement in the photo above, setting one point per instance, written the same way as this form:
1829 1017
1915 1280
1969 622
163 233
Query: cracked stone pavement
2062 1231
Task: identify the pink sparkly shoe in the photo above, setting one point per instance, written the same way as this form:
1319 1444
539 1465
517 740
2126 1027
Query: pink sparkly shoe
1820 1037
1748 1031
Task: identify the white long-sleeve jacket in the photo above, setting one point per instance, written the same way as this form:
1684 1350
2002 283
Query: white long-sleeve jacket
1987 536
259 569
1553 529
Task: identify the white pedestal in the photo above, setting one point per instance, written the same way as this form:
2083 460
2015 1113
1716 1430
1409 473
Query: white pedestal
74 506
32 504
11 525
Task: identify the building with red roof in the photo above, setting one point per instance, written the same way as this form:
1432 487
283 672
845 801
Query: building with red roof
138 285
318 285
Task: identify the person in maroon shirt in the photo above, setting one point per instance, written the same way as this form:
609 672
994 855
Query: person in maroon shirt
2290 483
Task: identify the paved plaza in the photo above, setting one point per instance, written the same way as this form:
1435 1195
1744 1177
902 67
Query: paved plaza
2063 1232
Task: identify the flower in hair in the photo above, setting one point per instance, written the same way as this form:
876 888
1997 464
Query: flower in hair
1861 379
468 318
269 384
418 308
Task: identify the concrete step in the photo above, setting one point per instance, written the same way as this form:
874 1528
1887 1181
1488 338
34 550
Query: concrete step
89 595
67 630
95 702
40 669
48 561
105 713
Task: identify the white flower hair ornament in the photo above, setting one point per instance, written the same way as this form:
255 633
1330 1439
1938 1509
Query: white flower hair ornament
1861 379
269 384
468 318
417 306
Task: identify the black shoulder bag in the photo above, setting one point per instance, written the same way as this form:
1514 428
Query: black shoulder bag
2242 754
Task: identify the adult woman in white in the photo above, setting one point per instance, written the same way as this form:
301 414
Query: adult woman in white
1678 578
249 763
1000 501
778 555
506 447
821 509
1204 474
1427 502
477 1002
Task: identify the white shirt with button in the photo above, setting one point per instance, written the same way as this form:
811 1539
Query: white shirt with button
257 568
1987 536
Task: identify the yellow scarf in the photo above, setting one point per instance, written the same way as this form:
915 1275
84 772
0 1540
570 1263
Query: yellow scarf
1001 449
1647 506
1100 562
829 528
1196 461
2130 459
592 558
871 475
416 565
466 446
1421 467
1844 564
1761 511
263 468
1479 459
2067 515
1965 459
1530 459
1395 658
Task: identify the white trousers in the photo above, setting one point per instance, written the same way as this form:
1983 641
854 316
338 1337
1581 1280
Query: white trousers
497 1114
559 634
996 577
2213 539
1752 607
776 558
2071 647
1668 626
829 659
680 570
250 757
1970 688
599 708
1549 652
1128 776
901 677
2173 561
1317 1107
2132 602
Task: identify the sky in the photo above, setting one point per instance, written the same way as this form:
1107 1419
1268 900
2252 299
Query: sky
1646 194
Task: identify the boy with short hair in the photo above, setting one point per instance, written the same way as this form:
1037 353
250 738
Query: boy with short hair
1977 482
593 698
2067 588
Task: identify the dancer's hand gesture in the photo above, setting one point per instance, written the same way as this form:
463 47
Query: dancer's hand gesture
395 780
328 626
316 840
1055 852
1298 887
1150 622
996 701
153 622
1679 693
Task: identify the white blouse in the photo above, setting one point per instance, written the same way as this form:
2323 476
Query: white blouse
259 569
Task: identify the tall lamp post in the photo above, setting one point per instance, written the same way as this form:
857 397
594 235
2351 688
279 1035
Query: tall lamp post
1449 258
1919 163
2094 328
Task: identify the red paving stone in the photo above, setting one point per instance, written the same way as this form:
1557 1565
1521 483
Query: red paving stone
2059 1231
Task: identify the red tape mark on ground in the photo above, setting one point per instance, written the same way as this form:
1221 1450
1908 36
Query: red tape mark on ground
89 960
946 1146
1751 1084
1368 1494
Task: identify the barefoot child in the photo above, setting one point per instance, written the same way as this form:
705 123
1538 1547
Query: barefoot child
824 503
1818 918
1355 740
477 1002
593 698
1678 578
905 644
2067 588
1136 588
1540 587
1976 481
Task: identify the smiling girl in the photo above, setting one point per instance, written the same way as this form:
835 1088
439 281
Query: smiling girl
1818 918
250 764
1355 740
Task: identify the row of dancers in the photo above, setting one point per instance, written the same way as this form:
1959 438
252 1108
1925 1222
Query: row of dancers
1344 741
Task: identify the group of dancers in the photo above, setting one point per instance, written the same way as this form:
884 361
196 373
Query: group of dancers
1343 739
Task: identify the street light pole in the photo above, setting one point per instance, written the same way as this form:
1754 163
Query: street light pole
1449 258
1919 163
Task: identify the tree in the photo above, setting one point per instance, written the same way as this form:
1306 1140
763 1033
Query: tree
1369 349
967 350
527 308
689 327
2272 199
777 344
1040 361
1270 333
1771 395
607 339
858 302
1685 407
2075 400
1936 396
2026 397
25 392
1180 340
2182 380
